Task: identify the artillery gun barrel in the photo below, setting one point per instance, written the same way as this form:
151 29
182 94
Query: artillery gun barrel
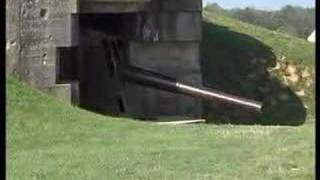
154 80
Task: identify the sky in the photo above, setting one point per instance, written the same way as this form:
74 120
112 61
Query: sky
261 4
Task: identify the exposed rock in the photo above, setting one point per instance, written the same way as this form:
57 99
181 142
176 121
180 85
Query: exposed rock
305 74
301 93
285 81
294 78
282 58
291 69
308 83
283 66
277 67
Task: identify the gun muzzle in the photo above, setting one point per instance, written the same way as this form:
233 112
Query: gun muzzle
155 80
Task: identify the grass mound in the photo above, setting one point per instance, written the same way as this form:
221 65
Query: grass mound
257 63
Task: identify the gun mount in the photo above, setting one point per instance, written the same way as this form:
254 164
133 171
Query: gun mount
136 75
159 81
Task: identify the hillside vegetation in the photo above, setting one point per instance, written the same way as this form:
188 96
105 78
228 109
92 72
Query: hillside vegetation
265 65
295 20
48 139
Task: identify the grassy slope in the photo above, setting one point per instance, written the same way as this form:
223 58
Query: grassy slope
294 48
228 65
47 139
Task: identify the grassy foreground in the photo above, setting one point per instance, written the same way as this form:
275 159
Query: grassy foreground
47 139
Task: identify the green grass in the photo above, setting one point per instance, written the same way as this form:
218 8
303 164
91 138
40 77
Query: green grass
47 139
295 49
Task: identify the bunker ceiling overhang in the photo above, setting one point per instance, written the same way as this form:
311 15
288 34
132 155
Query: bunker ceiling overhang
112 6
130 6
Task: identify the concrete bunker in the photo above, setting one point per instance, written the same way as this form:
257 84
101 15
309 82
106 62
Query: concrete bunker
65 47
161 36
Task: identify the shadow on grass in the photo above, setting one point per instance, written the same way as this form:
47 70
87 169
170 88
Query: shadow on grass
237 63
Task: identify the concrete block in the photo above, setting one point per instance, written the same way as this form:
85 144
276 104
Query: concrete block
63 31
38 22
185 56
40 55
180 26
40 75
64 7
62 92
68 92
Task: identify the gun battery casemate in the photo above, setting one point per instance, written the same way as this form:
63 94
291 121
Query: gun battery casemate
108 56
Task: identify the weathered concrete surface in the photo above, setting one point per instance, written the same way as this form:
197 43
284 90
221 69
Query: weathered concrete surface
12 36
180 26
171 26
177 5
66 92
178 60
169 44
112 6
44 25
62 92
35 28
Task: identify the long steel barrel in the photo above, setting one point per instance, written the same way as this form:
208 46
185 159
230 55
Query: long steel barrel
155 80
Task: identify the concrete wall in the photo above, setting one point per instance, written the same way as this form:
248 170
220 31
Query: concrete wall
45 25
179 60
169 44
35 28
112 6
12 36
